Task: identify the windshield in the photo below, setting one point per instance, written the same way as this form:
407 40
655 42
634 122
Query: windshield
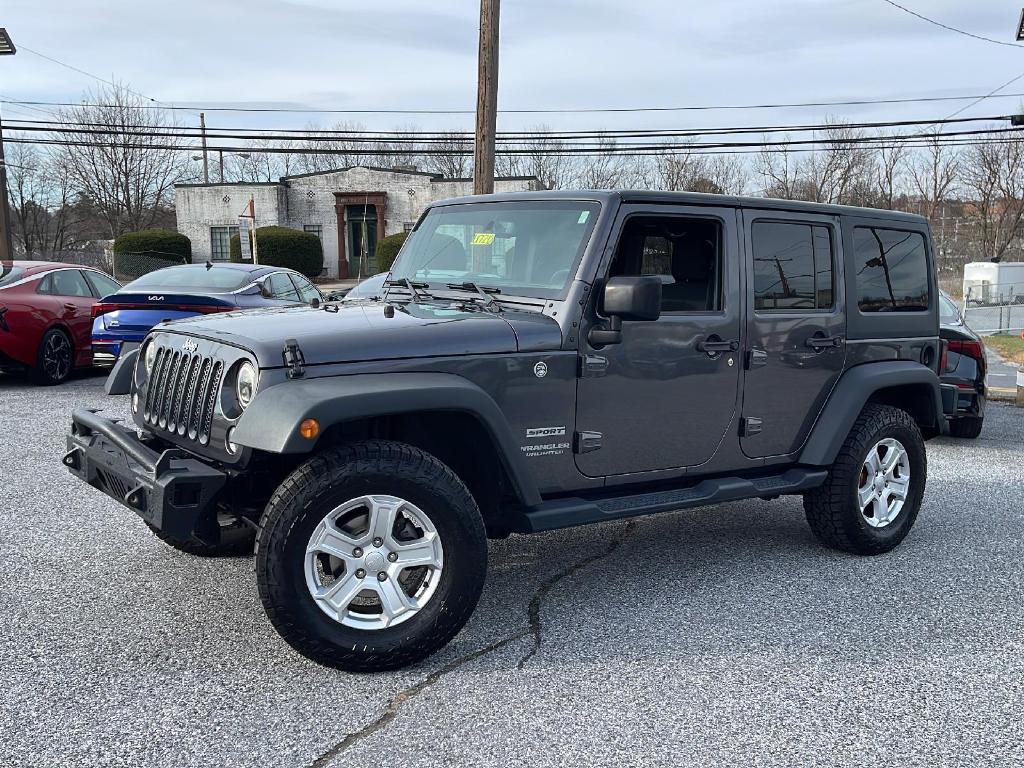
9 274
212 280
522 249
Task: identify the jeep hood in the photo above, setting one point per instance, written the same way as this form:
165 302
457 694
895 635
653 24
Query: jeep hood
365 330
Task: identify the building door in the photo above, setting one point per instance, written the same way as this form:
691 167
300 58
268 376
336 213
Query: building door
661 399
361 236
795 330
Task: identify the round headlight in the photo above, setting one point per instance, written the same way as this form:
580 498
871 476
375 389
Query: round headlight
149 356
245 383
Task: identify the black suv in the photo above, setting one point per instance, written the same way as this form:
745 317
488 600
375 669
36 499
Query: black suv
535 361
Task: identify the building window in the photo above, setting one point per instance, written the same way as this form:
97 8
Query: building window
314 229
220 242
407 226
792 267
892 270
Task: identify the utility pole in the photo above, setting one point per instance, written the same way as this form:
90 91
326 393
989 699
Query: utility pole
486 99
6 243
206 164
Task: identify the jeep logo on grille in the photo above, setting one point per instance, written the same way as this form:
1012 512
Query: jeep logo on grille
190 346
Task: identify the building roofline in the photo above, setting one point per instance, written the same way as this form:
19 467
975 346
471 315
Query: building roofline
496 178
378 168
231 184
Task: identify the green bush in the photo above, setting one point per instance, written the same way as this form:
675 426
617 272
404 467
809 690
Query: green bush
388 248
284 247
136 253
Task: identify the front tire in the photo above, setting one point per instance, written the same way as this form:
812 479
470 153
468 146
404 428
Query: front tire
874 489
370 556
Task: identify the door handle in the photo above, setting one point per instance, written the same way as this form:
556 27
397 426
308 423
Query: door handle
819 343
713 344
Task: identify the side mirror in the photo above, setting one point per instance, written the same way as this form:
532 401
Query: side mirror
335 296
627 298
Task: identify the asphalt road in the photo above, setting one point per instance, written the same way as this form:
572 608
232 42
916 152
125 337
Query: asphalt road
720 636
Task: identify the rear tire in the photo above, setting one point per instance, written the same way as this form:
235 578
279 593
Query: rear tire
236 540
834 510
347 625
969 427
55 358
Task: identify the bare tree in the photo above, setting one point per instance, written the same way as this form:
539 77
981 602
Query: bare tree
127 177
994 173
778 169
933 173
40 193
889 174
605 170
446 155
539 155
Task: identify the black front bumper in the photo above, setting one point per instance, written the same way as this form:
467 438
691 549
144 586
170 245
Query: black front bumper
170 489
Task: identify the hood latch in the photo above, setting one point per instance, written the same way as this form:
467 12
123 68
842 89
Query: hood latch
294 360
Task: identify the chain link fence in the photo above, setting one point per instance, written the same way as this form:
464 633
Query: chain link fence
128 266
991 308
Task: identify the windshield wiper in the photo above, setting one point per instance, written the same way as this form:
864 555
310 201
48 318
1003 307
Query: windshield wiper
484 290
411 286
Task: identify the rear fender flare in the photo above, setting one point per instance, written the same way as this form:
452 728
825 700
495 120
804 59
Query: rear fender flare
854 390
272 420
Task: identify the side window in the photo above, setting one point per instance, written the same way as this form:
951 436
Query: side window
101 284
305 288
66 282
686 253
281 287
892 270
792 266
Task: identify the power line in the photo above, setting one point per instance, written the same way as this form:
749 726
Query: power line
405 136
585 110
567 150
950 28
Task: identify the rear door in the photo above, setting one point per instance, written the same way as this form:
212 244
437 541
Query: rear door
796 327
72 297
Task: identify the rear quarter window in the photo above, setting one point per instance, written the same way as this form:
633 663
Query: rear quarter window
891 270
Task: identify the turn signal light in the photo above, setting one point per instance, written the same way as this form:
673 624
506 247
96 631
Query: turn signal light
309 428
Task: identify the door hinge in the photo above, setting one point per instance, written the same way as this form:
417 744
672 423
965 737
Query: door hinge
592 366
585 442
750 426
756 358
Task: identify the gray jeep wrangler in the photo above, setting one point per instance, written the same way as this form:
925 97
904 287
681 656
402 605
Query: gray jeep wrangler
535 361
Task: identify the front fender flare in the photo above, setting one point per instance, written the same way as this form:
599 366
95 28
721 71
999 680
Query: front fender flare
271 421
854 390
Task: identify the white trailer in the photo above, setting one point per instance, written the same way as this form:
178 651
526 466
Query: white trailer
990 283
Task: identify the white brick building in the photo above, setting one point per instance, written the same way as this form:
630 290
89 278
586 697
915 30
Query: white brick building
331 204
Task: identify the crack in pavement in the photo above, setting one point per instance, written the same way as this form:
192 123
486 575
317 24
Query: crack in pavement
395 705
542 591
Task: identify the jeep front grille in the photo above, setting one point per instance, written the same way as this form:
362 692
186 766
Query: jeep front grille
182 393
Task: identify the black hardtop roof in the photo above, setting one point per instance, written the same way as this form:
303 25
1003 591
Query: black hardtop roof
690 198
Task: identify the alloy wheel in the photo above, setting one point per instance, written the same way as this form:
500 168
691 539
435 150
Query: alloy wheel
57 356
373 562
884 483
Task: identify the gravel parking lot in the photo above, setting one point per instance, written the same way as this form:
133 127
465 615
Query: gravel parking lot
720 636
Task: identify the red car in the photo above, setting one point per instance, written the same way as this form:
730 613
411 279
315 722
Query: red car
45 316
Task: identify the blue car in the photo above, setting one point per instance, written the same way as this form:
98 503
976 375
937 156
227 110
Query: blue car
184 291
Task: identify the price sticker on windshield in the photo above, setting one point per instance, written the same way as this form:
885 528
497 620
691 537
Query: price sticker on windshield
483 238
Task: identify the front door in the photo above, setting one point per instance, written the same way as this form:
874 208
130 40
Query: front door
795 330
361 225
659 399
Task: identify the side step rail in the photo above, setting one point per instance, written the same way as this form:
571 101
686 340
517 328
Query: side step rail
563 513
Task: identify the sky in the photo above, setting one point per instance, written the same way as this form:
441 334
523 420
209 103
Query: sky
408 54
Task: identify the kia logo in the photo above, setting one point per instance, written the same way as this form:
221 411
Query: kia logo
155 298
